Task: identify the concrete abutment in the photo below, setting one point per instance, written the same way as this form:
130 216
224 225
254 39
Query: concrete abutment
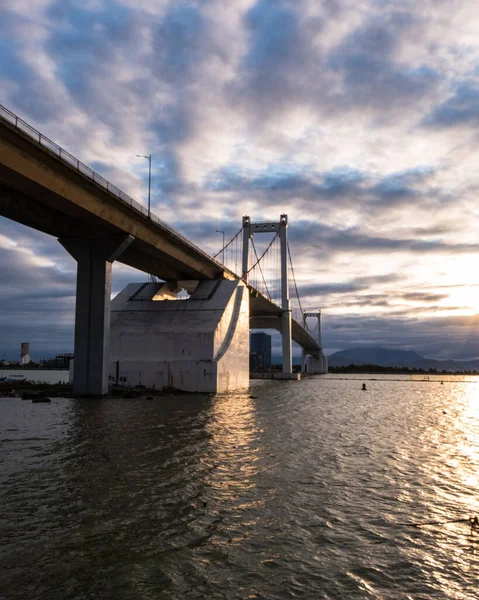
199 344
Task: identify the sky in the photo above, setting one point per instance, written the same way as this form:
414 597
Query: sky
359 119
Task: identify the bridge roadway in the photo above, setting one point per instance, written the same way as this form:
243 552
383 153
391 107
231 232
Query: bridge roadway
46 188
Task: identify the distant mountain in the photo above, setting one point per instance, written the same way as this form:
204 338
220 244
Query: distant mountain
385 357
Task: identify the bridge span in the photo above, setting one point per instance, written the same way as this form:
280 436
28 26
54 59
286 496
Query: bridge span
46 188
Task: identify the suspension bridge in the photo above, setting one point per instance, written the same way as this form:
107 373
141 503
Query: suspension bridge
269 270
198 344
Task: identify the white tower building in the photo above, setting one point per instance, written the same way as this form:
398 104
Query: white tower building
25 353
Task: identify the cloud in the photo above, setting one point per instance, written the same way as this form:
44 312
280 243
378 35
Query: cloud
37 292
357 120
355 285
278 56
425 337
372 77
460 109
288 66
334 240
341 186
37 303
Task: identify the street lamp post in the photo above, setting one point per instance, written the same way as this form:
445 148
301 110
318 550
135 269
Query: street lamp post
148 158
151 278
223 250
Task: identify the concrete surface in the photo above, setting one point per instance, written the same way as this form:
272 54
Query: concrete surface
197 345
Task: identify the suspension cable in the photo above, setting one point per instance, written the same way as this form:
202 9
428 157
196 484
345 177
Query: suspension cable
226 246
259 267
269 246
294 279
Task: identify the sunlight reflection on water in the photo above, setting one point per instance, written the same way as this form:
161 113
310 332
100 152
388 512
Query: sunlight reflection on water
303 490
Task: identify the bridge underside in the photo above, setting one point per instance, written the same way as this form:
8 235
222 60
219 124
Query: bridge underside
42 192
266 315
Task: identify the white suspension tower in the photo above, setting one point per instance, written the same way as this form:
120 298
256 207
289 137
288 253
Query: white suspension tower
281 227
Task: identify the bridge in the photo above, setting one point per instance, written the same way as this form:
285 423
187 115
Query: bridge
46 188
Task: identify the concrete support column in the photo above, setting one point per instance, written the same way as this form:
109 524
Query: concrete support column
286 340
246 237
92 312
320 337
286 325
303 352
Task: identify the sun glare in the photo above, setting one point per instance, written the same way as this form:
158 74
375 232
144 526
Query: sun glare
465 297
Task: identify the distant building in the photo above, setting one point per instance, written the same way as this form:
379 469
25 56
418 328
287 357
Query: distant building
25 353
61 361
260 352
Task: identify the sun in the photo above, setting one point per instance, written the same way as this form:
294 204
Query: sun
465 297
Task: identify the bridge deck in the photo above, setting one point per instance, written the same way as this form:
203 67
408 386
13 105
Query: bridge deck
46 188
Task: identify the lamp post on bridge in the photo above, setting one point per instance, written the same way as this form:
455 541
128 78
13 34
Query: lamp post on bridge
151 278
223 250
148 158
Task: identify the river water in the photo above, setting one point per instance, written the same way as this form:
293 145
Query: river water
293 490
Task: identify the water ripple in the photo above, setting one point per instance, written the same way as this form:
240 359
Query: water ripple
305 490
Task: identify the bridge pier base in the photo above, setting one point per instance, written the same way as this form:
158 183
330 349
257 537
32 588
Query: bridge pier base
316 364
92 311
287 341
199 344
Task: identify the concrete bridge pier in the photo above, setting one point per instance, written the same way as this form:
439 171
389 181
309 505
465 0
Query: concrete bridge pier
92 311
286 324
198 344
286 341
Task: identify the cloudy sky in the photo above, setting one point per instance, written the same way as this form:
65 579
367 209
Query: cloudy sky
359 119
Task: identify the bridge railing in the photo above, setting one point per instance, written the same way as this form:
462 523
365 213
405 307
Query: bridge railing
73 162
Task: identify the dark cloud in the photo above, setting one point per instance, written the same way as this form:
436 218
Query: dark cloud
423 297
14 68
370 292
436 337
341 186
180 44
355 285
462 108
88 47
372 78
279 58
37 305
280 178
312 238
285 67
398 187
28 94
38 302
